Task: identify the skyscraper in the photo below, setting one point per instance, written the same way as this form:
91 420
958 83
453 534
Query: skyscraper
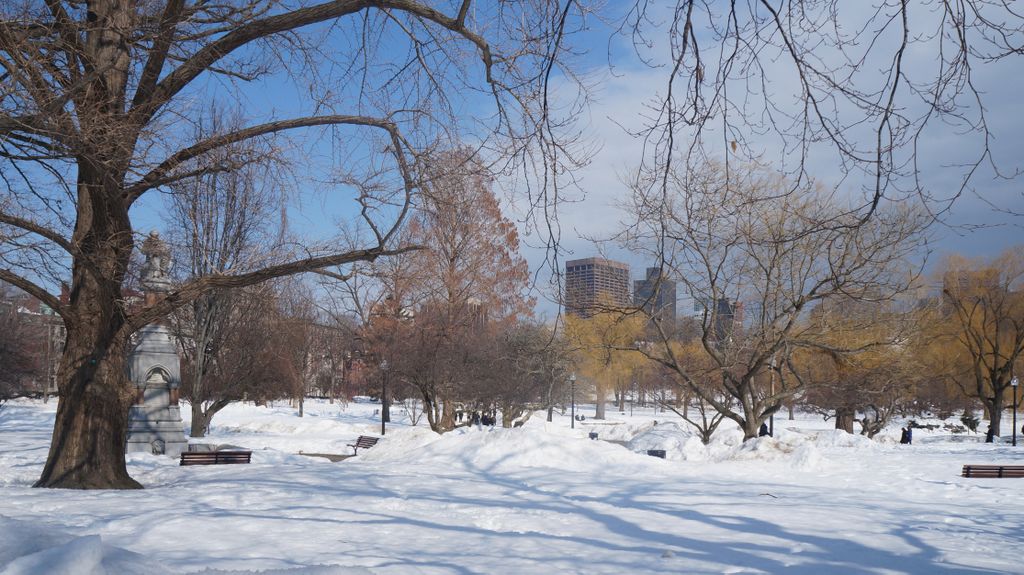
656 295
593 283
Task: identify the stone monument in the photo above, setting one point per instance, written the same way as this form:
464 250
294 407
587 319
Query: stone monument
154 422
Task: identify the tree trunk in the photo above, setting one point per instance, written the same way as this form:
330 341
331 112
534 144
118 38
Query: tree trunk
751 428
90 431
994 407
844 419
200 420
599 399
447 422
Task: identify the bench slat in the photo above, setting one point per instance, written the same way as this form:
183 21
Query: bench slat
363 441
993 471
215 457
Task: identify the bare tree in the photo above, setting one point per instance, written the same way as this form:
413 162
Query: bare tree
760 257
856 87
220 222
526 368
240 363
93 97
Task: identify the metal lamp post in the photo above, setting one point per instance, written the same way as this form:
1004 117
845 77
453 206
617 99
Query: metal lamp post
572 387
1013 384
383 395
771 391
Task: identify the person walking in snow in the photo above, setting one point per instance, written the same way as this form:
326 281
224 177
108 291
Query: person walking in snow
476 419
904 436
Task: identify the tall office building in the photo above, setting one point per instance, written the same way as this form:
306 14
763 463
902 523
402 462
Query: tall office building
656 295
593 283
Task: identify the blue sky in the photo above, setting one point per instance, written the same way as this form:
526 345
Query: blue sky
982 222
621 85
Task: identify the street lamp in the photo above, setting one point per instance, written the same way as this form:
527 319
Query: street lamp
572 387
771 392
1013 383
383 395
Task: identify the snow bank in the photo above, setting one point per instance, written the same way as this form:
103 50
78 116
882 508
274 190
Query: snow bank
799 450
33 549
679 442
501 450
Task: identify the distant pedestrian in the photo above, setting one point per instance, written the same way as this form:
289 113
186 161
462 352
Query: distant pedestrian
990 436
764 431
476 419
904 436
910 435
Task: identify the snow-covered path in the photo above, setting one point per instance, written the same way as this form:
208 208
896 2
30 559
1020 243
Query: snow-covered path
534 500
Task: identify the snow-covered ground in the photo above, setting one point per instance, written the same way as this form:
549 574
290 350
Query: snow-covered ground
540 499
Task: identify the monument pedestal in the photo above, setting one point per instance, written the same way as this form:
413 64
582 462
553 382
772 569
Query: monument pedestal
154 422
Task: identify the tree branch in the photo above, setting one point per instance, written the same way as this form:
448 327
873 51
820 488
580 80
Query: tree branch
159 175
158 52
147 104
190 291
33 290
30 226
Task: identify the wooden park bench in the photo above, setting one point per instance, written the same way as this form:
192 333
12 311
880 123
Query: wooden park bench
364 442
214 457
993 471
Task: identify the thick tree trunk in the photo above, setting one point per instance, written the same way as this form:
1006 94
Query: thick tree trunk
89 435
600 399
751 428
447 422
90 431
200 420
994 407
440 414
844 419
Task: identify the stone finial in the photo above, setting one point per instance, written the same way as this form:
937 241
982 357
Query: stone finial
158 260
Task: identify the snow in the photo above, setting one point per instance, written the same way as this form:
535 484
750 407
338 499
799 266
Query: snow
542 498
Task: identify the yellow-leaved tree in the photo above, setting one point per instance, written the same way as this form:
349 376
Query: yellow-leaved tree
605 344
